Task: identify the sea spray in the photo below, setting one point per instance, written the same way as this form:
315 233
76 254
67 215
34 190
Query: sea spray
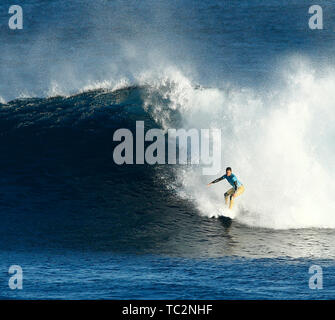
275 141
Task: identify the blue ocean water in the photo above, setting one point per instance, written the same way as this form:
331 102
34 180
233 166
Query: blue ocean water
83 275
82 227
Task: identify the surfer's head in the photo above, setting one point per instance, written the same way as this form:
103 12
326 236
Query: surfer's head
228 171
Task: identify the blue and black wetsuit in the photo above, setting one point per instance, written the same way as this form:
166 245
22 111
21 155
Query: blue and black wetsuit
236 190
231 179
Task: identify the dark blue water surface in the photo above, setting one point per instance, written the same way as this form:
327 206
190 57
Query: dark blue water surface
82 227
86 275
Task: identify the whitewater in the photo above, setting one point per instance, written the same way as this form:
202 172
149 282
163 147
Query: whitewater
278 142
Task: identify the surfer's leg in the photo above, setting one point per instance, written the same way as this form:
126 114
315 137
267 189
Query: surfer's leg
228 194
238 192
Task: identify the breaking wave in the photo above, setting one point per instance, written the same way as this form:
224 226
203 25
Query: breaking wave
277 140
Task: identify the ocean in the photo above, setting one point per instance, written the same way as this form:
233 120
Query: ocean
81 226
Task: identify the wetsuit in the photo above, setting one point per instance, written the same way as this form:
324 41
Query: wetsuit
236 190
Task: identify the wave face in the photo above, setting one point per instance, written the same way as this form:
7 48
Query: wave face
278 143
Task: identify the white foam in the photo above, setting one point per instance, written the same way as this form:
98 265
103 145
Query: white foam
56 89
107 85
279 143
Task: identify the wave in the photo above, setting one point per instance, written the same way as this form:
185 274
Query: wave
278 141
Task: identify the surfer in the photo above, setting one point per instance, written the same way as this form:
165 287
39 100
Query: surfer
236 190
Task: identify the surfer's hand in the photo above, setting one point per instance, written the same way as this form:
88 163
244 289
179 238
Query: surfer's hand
209 184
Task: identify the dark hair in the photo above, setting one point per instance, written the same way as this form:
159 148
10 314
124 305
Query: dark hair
228 169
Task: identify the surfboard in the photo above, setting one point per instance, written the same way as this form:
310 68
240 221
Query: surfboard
226 221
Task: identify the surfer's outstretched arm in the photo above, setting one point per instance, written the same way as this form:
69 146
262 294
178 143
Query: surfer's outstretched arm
216 180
